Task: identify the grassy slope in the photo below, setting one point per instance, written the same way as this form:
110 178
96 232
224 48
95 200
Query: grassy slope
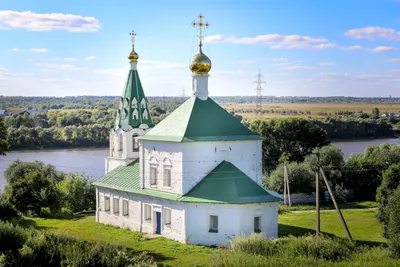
362 224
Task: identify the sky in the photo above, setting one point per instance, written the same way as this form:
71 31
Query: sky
302 48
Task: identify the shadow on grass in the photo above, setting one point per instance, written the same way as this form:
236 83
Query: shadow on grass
286 230
29 223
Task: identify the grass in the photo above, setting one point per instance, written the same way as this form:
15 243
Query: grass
328 206
362 224
314 108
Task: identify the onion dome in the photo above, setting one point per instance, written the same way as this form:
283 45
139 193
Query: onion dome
200 64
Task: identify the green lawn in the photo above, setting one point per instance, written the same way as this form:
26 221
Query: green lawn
362 224
329 206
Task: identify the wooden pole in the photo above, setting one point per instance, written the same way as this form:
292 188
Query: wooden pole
284 183
288 188
318 217
336 206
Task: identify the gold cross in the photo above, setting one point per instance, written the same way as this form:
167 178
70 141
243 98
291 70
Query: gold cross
200 24
133 34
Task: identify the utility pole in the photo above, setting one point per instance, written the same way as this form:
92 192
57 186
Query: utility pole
183 92
318 226
286 187
259 92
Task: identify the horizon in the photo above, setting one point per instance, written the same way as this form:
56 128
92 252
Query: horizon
303 49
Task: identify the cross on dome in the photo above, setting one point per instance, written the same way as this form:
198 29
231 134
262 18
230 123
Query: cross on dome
133 34
200 24
133 56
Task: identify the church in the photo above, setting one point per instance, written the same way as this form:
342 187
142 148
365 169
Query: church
195 177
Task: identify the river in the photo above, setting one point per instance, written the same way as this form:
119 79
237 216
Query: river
91 160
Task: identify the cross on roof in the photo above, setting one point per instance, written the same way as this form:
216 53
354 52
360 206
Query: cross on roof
200 24
133 34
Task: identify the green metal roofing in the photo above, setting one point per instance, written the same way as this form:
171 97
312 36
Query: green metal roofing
200 120
133 108
225 184
228 184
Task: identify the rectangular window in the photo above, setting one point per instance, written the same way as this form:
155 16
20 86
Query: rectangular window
125 207
147 212
153 175
107 204
116 206
167 217
167 177
213 224
257 224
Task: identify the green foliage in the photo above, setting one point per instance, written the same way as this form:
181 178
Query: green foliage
394 223
4 146
301 178
364 170
376 112
19 169
390 182
77 193
297 137
32 192
33 248
7 210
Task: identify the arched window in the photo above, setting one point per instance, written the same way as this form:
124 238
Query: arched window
153 171
167 165
135 144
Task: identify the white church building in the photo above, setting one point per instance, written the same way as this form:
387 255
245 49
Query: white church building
195 177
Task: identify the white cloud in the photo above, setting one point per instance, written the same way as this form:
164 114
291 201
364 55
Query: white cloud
326 63
38 50
392 60
249 61
382 49
353 47
299 68
323 46
47 71
70 59
280 59
90 58
65 67
371 33
274 41
283 64
46 22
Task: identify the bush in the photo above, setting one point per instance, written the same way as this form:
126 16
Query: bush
301 178
390 181
308 246
7 210
394 223
11 238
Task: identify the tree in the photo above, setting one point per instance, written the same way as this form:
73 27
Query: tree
390 182
297 137
19 169
301 178
32 193
77 193
394 223
4 146
375 112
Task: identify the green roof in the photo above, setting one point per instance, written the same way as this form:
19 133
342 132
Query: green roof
133 108
228 184
200 120
225 184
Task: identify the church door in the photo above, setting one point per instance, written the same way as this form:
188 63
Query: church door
158 223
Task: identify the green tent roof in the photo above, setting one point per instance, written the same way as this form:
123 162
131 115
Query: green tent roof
200 120
228 184
133 107
225 184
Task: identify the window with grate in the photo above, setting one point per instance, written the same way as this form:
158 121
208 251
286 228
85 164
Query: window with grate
125 208
116 206
147 212
167 217
107 204
257 224
153 175
213 224
167 176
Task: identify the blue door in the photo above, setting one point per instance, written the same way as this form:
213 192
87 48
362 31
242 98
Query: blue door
158 223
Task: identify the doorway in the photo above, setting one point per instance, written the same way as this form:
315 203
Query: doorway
158 223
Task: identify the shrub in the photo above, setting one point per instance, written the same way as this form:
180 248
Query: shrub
390 181
7 210
12 237
301 178
394 223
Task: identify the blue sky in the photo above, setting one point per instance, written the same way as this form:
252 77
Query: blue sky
303 48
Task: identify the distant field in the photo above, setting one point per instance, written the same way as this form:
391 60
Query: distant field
314 108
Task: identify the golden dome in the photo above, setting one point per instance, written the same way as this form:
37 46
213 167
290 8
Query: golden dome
200 64
133 56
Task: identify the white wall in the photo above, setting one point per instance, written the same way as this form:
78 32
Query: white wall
195 160
233 220
135 221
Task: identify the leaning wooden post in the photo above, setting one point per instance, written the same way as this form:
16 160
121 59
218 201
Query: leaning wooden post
287 186
284 183
336 206
318 226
